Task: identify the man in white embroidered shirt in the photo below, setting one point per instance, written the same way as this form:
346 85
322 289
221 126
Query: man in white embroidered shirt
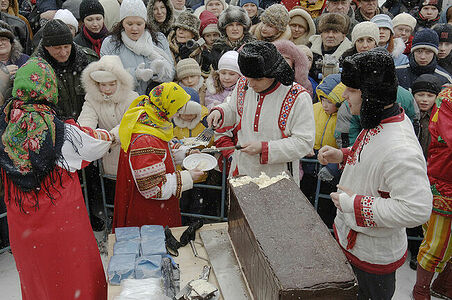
384 186
272 115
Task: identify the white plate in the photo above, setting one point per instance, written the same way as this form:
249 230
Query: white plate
203 161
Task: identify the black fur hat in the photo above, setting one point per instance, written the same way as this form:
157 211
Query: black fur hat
372 72
233 14
259 59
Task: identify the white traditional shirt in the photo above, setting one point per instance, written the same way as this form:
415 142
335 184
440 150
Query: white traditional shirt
259 122
386 170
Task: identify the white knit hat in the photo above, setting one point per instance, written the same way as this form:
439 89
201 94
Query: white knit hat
229 61
365 29
191 107
404 19
67 17
133 8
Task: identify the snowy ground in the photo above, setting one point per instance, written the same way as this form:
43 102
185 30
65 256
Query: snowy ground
10 286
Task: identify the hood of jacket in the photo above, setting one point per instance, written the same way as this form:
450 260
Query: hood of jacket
304 39
110 63
165 27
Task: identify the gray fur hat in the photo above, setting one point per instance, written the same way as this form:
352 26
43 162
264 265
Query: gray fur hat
334 21
188 21
233 14
277 16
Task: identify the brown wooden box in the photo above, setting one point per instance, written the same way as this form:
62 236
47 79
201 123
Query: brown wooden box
284 248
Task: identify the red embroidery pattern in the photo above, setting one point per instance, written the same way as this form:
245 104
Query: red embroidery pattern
288 103
362 140
241 92
366 211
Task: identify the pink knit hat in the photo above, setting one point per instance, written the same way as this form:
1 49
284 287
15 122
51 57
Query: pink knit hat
299 60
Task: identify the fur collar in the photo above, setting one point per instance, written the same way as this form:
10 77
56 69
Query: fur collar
16 51
124 81
316 41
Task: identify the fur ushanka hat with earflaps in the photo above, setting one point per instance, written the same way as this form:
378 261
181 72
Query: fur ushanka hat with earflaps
259 59
233 14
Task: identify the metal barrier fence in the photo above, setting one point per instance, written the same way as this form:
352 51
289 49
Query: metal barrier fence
223 188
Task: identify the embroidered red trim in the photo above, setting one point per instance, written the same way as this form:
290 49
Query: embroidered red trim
287 105
264 154
364 214
369 267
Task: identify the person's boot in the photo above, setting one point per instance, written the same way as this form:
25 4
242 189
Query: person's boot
442 285
421 290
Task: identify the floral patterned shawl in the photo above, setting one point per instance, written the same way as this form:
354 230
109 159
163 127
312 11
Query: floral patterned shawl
32 136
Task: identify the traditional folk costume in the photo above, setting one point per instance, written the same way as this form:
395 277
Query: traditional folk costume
385 169
280 117
51 239
148 186
435 251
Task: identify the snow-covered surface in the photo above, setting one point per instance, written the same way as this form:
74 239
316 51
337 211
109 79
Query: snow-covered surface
10 286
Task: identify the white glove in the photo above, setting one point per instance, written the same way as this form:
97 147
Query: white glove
142 73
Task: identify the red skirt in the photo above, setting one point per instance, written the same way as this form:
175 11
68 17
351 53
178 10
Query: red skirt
54 246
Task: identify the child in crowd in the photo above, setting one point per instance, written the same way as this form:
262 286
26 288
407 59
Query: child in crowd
210 33
190 121
189 75
425 89
221 83
404 25
274 24
185 28
329 93
444 32
428 14
252 9
109 92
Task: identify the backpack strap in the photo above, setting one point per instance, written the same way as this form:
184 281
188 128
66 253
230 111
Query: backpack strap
287 105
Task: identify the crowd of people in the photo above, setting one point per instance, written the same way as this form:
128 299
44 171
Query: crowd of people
364 89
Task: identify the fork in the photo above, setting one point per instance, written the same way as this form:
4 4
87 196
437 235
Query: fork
205 135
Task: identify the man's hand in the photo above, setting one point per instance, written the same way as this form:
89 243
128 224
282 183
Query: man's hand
328 154
252 148
12 69
335 195
214 118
